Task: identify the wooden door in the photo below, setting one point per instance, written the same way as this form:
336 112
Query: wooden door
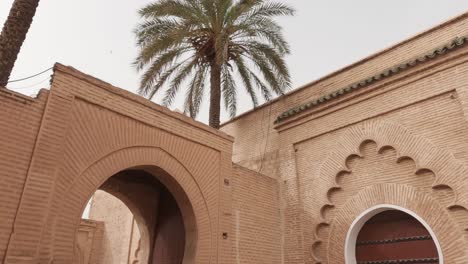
395 237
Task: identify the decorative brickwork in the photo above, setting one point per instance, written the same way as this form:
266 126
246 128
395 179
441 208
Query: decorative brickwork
85 132
386 155
402 142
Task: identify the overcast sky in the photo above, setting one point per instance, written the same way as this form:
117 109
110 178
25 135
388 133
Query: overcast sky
95 36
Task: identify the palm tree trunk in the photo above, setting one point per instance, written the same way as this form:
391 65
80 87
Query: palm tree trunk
13 35
215 95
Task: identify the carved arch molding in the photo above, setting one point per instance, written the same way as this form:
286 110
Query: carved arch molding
383 163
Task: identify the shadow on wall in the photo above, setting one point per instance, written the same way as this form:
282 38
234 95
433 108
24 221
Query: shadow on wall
139 220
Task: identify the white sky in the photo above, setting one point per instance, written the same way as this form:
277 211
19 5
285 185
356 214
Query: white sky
95 36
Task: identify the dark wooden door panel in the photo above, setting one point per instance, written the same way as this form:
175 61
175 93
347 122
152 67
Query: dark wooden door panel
395 237
403 250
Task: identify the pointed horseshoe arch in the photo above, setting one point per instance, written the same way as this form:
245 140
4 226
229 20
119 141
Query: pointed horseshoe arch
177 179
361 221
434 218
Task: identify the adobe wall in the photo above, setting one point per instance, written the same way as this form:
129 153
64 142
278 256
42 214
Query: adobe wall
58 149
400 140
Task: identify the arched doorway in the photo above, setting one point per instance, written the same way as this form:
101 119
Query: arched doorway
391 234
394 236
159 165
155 210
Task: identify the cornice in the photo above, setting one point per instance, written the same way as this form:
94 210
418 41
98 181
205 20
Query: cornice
437 52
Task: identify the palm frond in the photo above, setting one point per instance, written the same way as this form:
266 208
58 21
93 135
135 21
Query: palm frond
268 75
209 9
239 9
265 29
229 90
261 86
168 8
181 40
158 62
150 91
270 9
183 73
245 77
275 60
195 93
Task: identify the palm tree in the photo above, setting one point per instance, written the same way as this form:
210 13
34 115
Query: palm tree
13 35
185 41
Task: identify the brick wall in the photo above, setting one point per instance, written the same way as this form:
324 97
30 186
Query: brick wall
257 227
400 141
58 149
20 120
251 129
420 115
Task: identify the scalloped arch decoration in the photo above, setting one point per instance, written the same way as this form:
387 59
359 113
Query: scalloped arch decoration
427 157
447 169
